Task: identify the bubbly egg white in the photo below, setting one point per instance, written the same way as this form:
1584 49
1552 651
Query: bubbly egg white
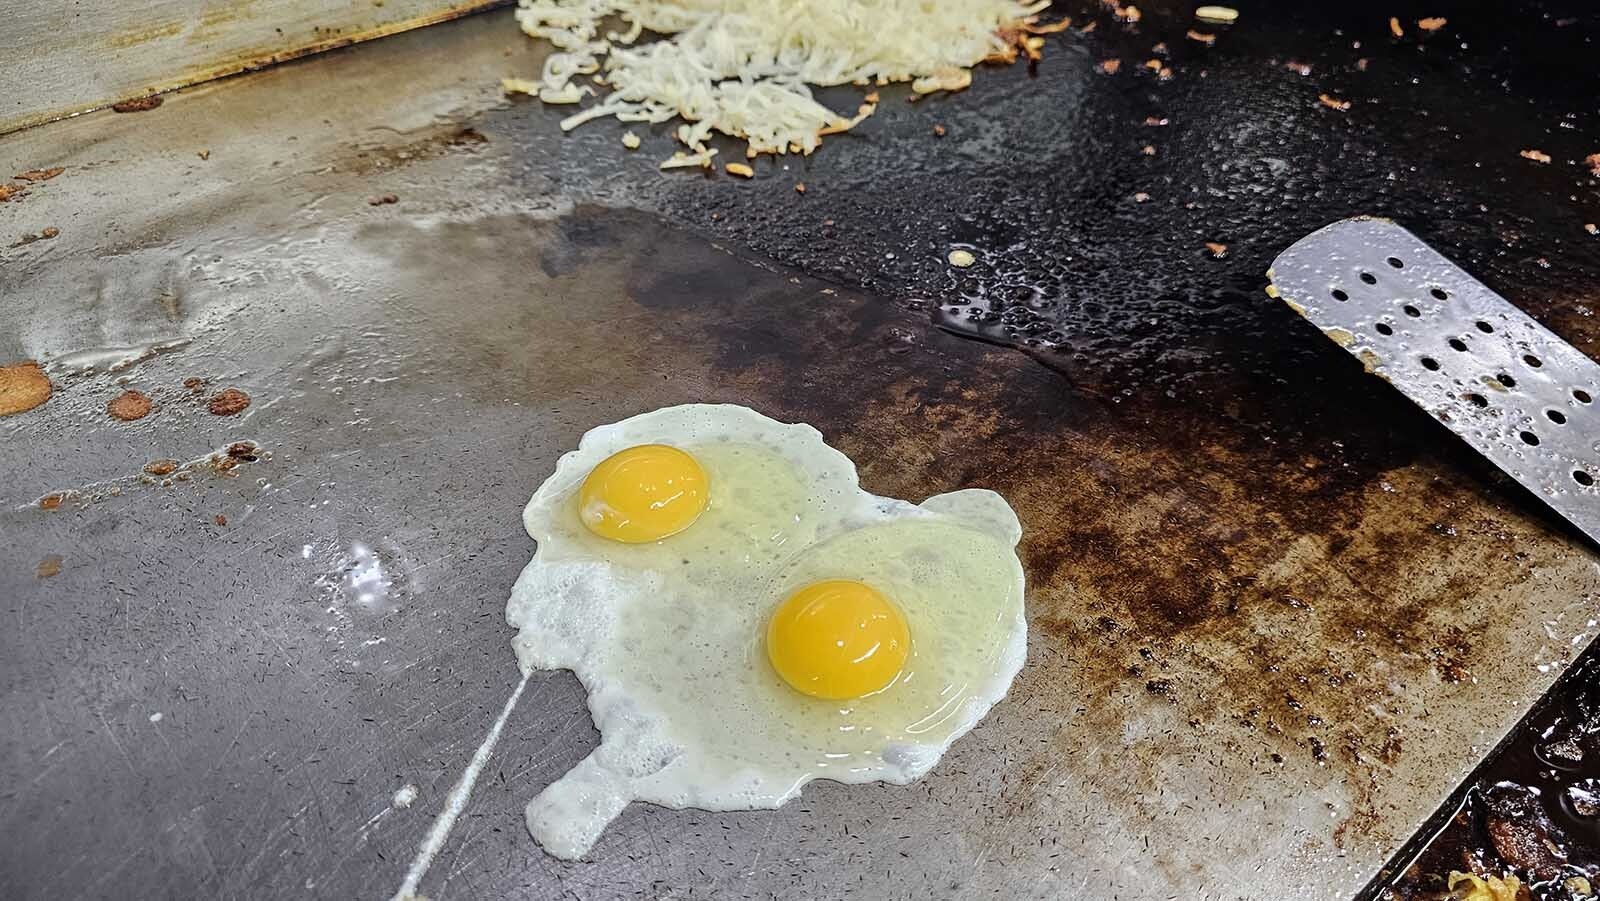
668 637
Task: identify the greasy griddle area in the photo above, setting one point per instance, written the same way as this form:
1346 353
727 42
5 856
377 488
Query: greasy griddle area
1533 810
1277 615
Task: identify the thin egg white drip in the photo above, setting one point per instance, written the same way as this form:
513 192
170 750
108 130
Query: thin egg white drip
667 637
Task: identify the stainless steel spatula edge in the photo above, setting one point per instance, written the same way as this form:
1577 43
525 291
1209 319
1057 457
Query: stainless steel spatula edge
1508 386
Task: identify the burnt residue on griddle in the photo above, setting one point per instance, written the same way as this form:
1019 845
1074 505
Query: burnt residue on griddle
1533 810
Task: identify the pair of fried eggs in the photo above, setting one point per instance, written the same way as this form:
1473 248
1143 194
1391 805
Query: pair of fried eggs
745 618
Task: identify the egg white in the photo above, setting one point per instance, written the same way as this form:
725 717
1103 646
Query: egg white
668 637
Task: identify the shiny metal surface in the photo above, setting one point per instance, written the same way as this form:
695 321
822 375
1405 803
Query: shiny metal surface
1511 388
1274 618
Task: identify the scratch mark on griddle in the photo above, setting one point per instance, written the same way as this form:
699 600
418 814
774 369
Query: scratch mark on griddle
456 802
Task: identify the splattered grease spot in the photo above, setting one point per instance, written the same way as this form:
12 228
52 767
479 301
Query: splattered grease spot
711 688
23 386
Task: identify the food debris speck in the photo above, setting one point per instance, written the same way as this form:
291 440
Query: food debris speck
227 402
9 191
1217 250
1432 23
129 406
1127 13
1395 29
1109 66
50 232
1362 63
382 199
1591 228
40 174
161 467
938 130
1152 121
630 140
194 383
243 450
1298 67
1593 162
1538 156
49 566
1141 197
203 154
961 259
220 520
1334 103
23 386
138 104
799 187
1202 37
1221 15
740 169
52 501
1148 150
1153 65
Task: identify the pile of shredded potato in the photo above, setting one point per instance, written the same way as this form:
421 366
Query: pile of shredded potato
744 67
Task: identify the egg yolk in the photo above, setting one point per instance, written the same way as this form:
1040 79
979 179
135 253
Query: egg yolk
642 494
838 639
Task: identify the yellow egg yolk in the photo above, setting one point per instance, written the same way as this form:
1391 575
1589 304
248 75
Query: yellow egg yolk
644 493
838 639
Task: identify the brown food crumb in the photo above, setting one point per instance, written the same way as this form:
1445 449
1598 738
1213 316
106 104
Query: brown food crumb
1593 162
1202 37
227 402
193 383
161 467
1395 29
1160 47
739 169
40 174
221 520
872 97
9 191
1432 23
1362 63
49 566
51 501
1298 67
221 464
1217 250
1153 65
939 132
243 450
1152 121
203 154
1538 156
1334 103
382 199
799 187
23 386
1148 150
138 104
49 232
1109 66
1591 228
129 405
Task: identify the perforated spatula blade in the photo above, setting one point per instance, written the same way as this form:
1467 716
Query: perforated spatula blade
1505 384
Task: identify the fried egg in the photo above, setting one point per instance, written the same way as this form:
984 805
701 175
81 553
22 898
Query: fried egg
745 618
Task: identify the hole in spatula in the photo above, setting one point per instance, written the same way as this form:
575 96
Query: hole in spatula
1582 478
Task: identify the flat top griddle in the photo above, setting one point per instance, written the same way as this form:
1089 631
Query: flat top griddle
1276 615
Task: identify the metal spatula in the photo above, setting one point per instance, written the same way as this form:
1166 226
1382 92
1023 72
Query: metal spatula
1507 385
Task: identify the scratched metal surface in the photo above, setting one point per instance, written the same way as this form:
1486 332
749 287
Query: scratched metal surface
1276 616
